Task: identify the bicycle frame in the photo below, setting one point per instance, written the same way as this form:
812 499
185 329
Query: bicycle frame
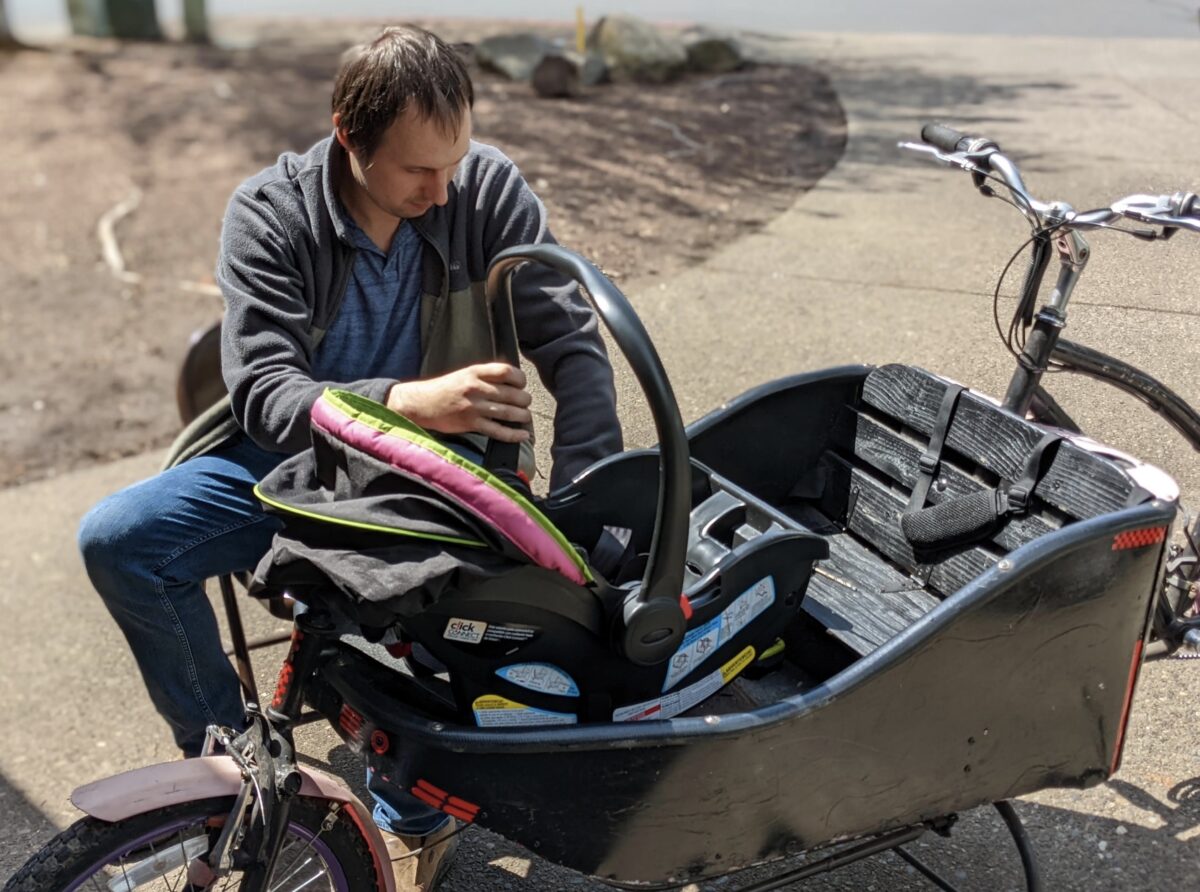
1073 254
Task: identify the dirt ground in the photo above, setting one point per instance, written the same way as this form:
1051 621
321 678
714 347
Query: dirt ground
642 180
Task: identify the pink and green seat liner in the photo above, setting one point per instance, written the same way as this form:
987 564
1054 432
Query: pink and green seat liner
389 437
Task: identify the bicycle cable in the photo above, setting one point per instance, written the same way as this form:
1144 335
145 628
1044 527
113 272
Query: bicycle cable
1014 341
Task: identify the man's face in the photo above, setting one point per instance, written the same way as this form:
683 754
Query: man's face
412 165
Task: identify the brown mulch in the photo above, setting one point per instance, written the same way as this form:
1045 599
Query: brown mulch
643 180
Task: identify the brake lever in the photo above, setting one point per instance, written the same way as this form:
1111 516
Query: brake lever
1158 210
955 159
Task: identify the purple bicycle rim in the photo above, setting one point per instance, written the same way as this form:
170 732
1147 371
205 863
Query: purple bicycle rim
336 875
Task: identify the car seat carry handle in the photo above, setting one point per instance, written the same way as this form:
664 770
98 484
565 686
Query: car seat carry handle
652 623
500 456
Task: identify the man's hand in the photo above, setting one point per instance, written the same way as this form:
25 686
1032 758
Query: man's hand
472 400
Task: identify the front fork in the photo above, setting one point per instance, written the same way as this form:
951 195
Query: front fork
265 753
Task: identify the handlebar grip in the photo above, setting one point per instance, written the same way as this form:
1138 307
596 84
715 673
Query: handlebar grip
945 138
1191 207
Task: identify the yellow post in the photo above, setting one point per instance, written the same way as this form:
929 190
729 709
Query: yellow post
580 30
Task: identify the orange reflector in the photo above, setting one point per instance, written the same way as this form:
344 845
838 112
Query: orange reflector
443 801
380 742
1139 538
427 798
686 606
350 721
1133 668
431 789
287 671
465 816
463 805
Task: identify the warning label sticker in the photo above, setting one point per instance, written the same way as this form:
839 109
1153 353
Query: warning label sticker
495 632
541 677
494 711
468 631
703 641
685 698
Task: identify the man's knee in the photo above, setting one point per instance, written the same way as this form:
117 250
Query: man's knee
110 534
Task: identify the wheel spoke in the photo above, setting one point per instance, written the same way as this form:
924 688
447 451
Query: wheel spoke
325 825
156 851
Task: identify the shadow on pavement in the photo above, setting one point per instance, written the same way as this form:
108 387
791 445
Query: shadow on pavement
890 99
26 828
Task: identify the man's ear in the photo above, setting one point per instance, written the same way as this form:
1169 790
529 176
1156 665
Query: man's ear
342 138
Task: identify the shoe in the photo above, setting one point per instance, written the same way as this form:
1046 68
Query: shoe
418 862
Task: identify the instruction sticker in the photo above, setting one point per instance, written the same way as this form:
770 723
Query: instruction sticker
509 632
494 711
685 698
541 677
703 641
466 631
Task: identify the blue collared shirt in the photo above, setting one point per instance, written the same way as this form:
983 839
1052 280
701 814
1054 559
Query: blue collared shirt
376 333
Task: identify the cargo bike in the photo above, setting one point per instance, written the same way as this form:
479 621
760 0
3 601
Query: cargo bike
823 620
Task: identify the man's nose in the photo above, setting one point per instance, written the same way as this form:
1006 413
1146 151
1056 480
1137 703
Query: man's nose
437 189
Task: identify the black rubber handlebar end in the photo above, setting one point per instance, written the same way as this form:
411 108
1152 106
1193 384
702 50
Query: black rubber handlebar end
945 138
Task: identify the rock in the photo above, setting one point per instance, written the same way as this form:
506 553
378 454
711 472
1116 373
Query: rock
512 55
566 73
635 50
714 53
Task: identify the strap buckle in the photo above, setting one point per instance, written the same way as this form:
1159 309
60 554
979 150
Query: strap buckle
1018 497
929 464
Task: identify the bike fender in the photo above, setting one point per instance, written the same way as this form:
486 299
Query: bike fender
157 786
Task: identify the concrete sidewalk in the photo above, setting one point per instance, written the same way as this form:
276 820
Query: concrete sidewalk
888 259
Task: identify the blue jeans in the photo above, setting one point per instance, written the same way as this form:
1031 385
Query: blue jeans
148 549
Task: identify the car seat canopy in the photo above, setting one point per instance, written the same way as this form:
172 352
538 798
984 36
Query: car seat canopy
372 428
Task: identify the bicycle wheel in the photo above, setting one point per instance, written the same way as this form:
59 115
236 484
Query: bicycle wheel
151 852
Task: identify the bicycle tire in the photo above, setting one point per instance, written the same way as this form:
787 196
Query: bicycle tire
90 845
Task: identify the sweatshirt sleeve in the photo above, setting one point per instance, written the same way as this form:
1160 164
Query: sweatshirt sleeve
557 329
267 341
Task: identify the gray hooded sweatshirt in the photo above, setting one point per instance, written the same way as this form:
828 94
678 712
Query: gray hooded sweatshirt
285 261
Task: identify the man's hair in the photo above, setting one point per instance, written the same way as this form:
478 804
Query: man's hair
404 66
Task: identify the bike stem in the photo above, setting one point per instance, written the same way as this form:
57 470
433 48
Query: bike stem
1073 254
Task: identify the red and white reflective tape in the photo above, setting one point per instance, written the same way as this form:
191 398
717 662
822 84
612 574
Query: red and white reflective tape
1139 538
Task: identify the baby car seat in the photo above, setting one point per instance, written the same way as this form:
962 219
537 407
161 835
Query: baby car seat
393 528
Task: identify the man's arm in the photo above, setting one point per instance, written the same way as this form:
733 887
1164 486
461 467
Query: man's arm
556 328
267 348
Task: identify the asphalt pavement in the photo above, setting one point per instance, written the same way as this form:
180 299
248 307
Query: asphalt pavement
887 259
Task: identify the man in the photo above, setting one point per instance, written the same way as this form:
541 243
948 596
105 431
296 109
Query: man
360 263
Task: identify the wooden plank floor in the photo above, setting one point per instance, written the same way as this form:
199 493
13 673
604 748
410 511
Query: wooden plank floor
862 599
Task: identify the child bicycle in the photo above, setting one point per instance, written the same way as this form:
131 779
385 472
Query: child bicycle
926 601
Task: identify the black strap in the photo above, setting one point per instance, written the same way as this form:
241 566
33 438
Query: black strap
1018 494
978 514
927 471
612 551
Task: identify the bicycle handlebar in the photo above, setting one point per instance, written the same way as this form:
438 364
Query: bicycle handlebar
945 138
950 140
981 156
